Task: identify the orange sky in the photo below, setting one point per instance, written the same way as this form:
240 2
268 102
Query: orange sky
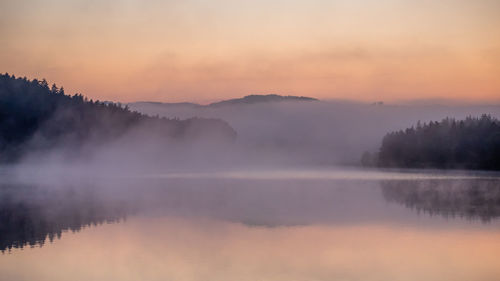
200 50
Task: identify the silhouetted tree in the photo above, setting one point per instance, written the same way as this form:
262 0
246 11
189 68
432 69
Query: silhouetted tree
30 110
473 143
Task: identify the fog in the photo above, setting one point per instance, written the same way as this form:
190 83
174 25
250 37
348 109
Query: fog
313 133
269 136
32 212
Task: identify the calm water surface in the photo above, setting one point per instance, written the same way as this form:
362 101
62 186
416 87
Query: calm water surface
291 225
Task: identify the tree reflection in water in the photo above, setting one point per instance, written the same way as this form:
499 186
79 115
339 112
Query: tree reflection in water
30 215
470 199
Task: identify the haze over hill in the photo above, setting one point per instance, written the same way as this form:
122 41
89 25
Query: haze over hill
38 122
309 131
41 124
254 99
250 99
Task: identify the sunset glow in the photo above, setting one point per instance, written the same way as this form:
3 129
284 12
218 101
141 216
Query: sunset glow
203 51
181 250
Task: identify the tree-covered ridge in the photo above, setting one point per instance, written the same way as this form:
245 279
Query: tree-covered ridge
246 100
252 99
473 143
36 116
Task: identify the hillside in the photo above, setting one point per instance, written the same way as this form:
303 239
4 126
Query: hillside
250 99
34 117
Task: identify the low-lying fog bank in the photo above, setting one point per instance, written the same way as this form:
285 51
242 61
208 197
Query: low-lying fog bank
313 132
46 128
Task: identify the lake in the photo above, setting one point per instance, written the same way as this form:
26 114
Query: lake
253 225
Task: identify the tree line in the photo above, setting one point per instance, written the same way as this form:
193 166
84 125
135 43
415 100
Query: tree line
34 115
472 143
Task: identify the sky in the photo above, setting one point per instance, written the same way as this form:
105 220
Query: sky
208 50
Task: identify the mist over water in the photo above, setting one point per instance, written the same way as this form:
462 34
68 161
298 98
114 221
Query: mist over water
314 132
385 168
145 207
353 224
303 133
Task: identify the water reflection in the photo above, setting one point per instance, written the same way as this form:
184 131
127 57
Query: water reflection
248 229
267 203
30 215
166 248
471 199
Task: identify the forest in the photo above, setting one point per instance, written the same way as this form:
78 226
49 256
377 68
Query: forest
473 143
253 99
35 116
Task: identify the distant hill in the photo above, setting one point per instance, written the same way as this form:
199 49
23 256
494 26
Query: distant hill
34 116
169 104
250 99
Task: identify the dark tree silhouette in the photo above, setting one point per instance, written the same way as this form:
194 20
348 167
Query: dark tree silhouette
34 116
473 143
253 99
